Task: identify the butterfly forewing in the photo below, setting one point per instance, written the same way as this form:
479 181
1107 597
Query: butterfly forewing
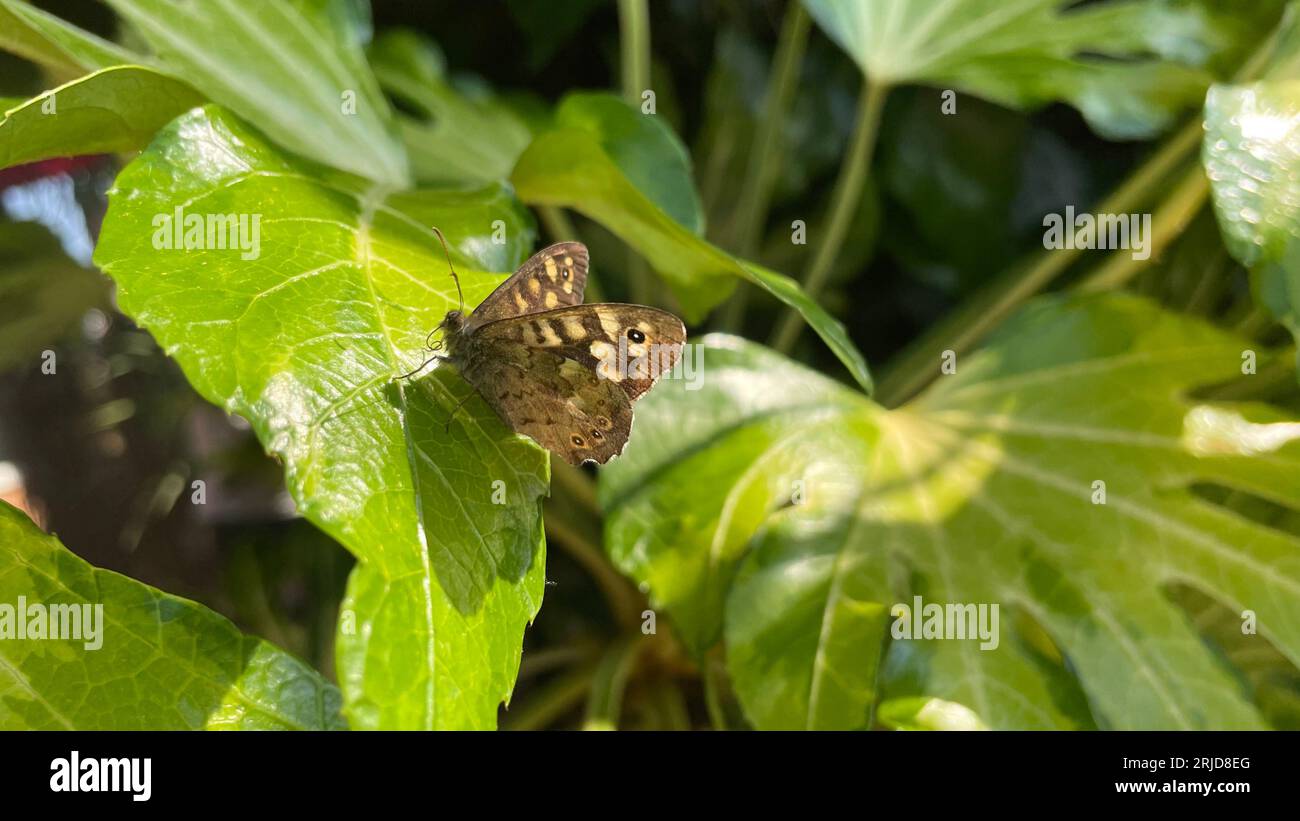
554 277
629 345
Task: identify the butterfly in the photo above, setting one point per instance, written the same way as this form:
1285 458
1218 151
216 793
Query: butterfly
564 373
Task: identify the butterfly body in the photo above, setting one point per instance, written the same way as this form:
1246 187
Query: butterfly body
557 370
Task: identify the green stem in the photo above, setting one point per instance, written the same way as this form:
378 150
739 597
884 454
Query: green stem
844 205
765 155
963 329
634 35
610 681
1174 215
552 701
625 602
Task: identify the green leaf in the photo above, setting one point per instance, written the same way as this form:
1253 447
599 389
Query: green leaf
115 109
289 68
588 163
306 341
1031 52
162 662
1251 154
457 139
63 48
787 516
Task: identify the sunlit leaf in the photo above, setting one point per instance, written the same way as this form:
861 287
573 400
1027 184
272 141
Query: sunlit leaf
1130 67
786 516
63 48
155 661
306 338
287 67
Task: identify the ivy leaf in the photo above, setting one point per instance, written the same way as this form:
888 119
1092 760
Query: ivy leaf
787 516
1252 157
112 110
627 171
1028 53
288 67
63 48
306 340
162 662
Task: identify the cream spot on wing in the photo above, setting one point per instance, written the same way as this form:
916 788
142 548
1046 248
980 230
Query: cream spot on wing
551 270
552 299
568 262
610 325
520 302
568 286
608 369
574 329
549 337
535 285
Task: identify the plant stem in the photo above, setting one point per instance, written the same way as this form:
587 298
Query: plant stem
967 326
765 154
625 601
1174 215
844 205
552 701
634 35
609 682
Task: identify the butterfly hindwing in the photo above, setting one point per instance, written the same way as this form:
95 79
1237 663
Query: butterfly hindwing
561 404
630 346
554 277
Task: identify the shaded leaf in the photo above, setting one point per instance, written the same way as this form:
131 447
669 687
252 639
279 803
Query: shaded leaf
63 48
786 516
456 138
112 110
306 341
162 662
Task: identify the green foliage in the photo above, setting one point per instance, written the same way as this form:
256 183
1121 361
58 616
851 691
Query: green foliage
783 514
163 662
1102 469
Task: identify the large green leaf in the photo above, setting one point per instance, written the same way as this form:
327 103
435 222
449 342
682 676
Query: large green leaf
306 341
59 46
627 171
115 109
1252 156
162 662
786 515
1024 53
298 70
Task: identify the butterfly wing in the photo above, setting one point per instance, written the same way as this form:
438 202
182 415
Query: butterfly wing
630 346
554 277
564 406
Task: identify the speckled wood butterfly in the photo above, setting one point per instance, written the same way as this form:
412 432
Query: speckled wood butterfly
564 373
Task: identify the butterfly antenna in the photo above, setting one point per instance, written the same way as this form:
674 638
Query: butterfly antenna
452 268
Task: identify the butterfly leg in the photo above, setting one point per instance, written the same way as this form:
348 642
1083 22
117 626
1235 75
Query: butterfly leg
422 365
456 410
